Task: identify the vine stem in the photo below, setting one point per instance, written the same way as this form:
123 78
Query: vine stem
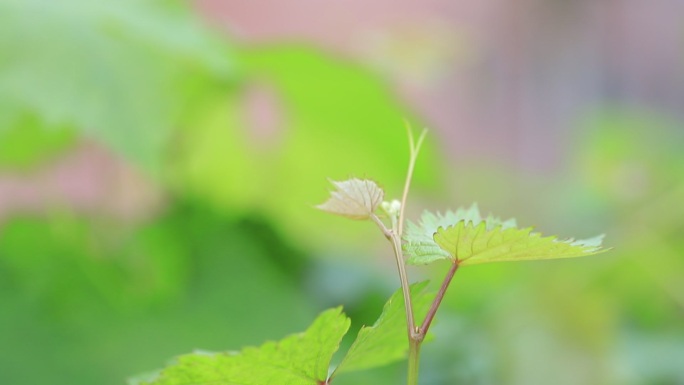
413 362
391 235
422 331
415 335
414 149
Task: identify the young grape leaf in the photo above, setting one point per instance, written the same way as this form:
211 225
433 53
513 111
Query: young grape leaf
471 244
386 340
354 198
420 246
299 359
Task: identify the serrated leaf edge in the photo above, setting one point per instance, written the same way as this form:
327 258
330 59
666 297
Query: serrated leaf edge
589 246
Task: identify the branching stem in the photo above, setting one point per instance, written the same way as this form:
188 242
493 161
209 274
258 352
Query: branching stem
422 331
387 232
392 236
415 335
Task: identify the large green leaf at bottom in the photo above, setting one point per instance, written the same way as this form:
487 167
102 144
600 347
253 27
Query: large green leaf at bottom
303 359
299 359
386 341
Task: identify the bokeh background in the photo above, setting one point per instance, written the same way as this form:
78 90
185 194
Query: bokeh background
159 162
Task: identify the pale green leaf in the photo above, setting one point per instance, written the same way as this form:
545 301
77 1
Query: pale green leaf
420 247
118 71
299 359
470 244
354 199
386 341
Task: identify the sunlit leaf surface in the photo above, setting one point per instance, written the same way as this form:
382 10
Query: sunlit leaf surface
465 236
420 246
470 244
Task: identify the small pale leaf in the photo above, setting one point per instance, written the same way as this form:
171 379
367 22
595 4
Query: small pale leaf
386 342
354 198
299 359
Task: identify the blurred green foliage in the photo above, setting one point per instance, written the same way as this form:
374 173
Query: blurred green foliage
122 72
97 298
229 259
338 120
26 143
96 302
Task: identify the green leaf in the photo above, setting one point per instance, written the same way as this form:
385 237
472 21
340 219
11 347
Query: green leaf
471 244
386 340
302 359
337 119
354 199
299 359
119 71
25 144
420 246
465 236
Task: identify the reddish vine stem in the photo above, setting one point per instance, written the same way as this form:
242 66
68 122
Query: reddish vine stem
422 331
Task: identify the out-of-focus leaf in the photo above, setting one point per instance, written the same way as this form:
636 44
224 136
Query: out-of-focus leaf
419 244
163 287
386 342
629 155
327 107
117 71
300 359
26 143
470 244
75 264
354 199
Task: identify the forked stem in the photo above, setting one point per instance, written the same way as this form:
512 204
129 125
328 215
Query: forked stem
438 300
416 340
416 335
392 236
